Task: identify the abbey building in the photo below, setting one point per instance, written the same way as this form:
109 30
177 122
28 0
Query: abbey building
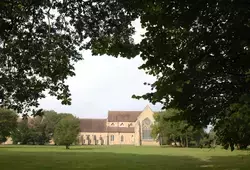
120 128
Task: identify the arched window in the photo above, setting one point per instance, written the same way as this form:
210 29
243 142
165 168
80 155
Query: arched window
122 138
112 138
146 129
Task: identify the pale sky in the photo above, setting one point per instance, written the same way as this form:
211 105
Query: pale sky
104 83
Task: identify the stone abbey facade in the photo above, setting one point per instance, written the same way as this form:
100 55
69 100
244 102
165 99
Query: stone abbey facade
120 128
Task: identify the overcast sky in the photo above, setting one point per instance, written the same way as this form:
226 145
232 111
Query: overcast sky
105 83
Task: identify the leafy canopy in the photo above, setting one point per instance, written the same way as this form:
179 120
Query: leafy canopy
234 129
41 40
175 131
38 129
8 122
66 131
199 52
24 133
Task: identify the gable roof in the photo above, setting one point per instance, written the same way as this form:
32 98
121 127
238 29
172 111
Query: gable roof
93 125
123 116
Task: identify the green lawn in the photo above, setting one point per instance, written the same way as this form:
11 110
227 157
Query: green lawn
119 158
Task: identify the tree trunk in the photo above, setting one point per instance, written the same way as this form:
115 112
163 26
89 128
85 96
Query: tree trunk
181 141
67 146
186 141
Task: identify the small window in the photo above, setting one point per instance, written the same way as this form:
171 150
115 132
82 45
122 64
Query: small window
112 138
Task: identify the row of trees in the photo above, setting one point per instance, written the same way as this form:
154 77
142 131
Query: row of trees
231 132
62 128
180 132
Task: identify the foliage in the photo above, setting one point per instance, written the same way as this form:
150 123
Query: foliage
199 52
38 129
22 134
8 121
234 129
66 131
30 131
209 140
176 131
41 40
51 118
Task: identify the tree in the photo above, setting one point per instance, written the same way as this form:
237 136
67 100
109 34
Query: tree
212 139
200 69
37 129
66 131
234 129
49 121
176 131
41 40
51 118
22 134
30 130
8 122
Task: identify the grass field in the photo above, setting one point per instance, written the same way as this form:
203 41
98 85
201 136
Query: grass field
119 158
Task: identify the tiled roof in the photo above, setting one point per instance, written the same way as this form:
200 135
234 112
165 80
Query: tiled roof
99 125
121 129
93 125
123 116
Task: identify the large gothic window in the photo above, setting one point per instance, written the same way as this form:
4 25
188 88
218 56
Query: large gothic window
146 129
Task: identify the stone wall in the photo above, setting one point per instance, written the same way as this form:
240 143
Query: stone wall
128 138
